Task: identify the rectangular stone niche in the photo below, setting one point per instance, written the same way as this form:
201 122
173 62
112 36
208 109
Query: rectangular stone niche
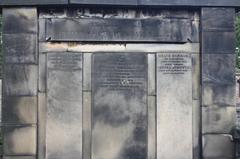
119 112
64 106
174 106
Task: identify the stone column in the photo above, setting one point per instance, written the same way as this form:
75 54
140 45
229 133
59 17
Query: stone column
20 76
218 82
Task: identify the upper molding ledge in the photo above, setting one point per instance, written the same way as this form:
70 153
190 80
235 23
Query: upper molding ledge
189 3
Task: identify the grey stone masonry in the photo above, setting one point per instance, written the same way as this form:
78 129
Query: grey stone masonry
187 3
218 82
20 77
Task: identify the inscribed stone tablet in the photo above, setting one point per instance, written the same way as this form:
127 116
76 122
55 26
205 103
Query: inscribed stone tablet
119 114
174 106
64 106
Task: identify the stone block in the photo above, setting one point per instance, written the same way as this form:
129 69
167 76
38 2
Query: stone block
42 73
174 106
119 108
196 76
87 110
20 80
19 157
105 2
219 95
218 69
221 19
218 147
20 20
42 30
151 127
19 140
218 119
32 2
52 47
19 110
196 129
20 48
87 70
64 106
218 42
151 74
42 112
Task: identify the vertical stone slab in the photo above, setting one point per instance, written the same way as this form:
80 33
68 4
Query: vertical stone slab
64 106
174 106
119 112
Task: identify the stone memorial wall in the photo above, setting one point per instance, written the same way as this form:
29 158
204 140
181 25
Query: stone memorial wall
118 83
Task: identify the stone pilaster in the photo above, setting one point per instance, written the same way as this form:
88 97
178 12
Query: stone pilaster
218 82
20 76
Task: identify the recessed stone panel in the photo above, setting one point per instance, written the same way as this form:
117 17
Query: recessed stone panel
19 110
19 20
19 140
20 48
218 69
64 106
174 106
119 108
218 120
20 80
218 146
145 30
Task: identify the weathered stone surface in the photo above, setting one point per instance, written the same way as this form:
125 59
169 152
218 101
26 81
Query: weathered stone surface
217 147
221 19
42 112
174 106
32 2
19 20
196 76
151 127
87 125
42 72
20 48
218 120
188 3
196 129
147 30
151 74
218 42
19 157
19 110
20 80
220 95
53 47
64 106
42 29
19 140
218 69
105 2
206 3
87 66
119 108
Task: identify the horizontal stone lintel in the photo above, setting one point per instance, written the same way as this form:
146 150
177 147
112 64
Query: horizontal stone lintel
194 3
131 30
